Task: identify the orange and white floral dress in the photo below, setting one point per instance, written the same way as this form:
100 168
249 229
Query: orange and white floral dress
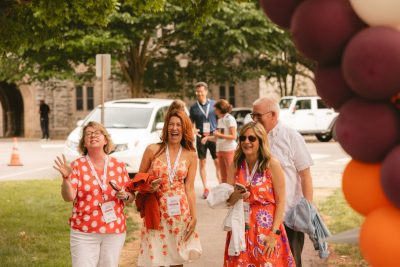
166 246
262 212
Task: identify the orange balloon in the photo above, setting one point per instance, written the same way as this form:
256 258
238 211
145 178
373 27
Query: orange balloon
380 235
362 188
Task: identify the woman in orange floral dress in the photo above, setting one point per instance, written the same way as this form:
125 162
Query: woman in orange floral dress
174 160
264 201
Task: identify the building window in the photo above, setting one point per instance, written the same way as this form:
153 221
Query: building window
79 98
84 98
222 94
231 98
89 98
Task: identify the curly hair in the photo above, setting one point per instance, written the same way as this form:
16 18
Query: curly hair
108 148
264 154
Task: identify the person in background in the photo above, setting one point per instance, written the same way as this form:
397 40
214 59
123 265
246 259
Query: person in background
289 147
177 104
44 111
98 225
173 162
204 119
259 180
224 136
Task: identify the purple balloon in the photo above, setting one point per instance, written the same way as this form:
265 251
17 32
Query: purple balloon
331 86
371 63
390 176
322 28
367 130
280 11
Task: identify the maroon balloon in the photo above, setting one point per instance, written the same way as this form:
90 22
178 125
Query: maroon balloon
331 86
321 28
280 11
371 63
390 176
367 130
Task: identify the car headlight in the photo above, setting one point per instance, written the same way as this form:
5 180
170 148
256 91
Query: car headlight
72 145
121 147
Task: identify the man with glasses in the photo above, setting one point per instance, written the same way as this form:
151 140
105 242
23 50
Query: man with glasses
289 147
205 121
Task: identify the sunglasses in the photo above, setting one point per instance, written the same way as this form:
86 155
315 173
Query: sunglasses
251 138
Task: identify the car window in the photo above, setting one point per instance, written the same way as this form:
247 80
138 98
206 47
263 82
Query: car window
160 116
321 105
122 117
303 104
285 103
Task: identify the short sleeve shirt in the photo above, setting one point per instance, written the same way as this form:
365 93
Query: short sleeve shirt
289 147
198 116
224 125
86 212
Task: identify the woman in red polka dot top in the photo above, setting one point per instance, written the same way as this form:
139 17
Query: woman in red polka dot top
98 219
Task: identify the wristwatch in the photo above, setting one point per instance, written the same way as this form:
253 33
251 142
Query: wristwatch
127 197
277 231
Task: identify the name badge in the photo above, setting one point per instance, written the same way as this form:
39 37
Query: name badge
108 212
206 128
246 208
174 205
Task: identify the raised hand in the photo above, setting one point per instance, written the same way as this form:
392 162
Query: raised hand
61 165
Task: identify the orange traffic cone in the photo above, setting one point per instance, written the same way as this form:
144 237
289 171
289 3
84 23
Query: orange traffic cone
15 161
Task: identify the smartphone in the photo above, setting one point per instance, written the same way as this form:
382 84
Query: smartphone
115 186
240 187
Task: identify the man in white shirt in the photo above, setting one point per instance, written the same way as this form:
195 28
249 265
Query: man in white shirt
289 147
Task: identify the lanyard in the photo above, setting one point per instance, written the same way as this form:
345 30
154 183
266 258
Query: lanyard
172 171
249 177
202 110
102 182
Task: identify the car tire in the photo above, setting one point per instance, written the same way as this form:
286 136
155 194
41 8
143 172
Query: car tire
324 137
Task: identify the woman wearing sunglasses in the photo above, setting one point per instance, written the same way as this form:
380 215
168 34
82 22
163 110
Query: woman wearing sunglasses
260 182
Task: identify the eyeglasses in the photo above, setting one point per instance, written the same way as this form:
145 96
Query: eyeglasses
258 115
94 134
251 138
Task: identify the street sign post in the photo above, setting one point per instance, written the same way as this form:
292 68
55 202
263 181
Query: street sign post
103 71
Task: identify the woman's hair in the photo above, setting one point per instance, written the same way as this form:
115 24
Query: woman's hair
176 104
108 148
264 155
223 106
187 131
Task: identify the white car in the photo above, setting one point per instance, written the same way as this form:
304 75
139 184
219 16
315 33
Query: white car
308 115
132 123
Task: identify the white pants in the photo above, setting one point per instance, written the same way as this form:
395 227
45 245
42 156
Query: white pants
95 250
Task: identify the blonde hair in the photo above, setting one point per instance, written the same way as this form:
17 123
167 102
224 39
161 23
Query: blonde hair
264 155
108 148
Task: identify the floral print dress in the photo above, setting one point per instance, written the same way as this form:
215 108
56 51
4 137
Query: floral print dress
261 217
166 246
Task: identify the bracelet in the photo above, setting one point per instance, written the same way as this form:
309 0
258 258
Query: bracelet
65 177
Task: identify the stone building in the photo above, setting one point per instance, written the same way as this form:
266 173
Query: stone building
19 105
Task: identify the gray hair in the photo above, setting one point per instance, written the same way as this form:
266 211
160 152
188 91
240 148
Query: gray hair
270 102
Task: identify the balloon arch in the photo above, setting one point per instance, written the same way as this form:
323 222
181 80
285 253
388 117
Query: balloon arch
357 46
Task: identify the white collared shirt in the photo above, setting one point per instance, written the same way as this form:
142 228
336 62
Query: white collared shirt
289 147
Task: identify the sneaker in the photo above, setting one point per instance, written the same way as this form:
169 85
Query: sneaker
205 193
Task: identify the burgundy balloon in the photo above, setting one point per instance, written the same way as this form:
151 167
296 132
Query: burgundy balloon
390 176
367 130
371 63
322 28
331 86
280 11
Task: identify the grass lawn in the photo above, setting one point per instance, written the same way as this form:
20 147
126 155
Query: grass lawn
340 217
34 228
